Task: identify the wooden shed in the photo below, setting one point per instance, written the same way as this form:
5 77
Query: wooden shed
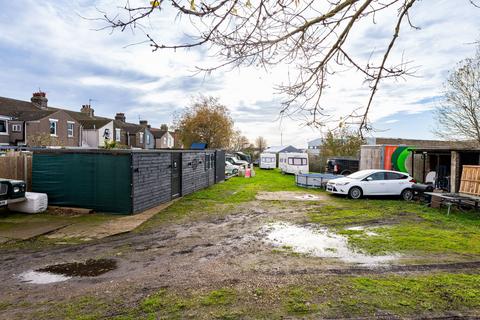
123 181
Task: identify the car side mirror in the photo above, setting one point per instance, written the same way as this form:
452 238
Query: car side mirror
369 179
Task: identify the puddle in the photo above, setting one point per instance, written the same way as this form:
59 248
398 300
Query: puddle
37 277
89 268
65 271
319 243
362 228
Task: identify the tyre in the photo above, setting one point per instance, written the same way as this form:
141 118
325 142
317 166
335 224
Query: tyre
407 194
355 193
346 173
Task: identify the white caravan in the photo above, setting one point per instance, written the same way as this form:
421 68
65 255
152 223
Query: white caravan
290 162
268 161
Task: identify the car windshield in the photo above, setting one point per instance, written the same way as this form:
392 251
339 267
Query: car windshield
359 174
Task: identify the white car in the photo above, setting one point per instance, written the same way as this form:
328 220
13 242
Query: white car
231 169
373 183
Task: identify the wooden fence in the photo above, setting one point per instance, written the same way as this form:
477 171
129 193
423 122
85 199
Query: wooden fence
17 165
470 182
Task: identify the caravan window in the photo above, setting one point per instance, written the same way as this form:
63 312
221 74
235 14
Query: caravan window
297 161
268 160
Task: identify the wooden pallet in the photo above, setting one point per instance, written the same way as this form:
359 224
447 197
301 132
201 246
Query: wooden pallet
470 181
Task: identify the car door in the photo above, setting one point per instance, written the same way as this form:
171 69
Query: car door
374 184
395 182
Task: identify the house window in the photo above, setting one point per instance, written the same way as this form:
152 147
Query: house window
16 127
70 126
148 139
165 141
117 134
53 127
3 126
141 137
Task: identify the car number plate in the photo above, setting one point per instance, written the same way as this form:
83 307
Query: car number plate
3 202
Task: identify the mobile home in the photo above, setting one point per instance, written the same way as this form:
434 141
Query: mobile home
268 161
293 162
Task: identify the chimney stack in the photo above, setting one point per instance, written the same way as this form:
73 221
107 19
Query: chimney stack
164 127
143 123
87 109
120 116
40 100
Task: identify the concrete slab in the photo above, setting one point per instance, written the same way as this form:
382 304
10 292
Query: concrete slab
290 196
88 231
28 230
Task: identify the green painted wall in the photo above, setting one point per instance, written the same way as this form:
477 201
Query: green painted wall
101 182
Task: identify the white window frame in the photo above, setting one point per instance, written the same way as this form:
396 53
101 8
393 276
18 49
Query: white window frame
148 138
68 129
50 127
118 133
141 137
15 126
6 126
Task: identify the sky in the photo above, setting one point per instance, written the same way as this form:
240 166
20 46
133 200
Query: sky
50 45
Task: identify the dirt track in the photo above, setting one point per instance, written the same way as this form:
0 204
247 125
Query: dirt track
210 253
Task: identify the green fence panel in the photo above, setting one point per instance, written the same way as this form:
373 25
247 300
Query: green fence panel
101 182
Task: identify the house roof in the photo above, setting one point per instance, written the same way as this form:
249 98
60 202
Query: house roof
158 133
32 116
94 123
277 149
13 107
128 127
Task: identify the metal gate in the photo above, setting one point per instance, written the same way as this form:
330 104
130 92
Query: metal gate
176 174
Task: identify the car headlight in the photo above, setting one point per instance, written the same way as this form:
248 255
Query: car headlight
16 189
342 183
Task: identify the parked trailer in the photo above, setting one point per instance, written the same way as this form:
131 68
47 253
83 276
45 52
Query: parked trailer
294 163
314 180
268 161
123 181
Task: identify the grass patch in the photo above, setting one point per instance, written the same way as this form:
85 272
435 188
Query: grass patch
223 198
319 297
298 301
219 297
164 301
422 294
405 227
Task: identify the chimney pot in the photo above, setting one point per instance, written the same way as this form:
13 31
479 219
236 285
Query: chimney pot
40 99
120 116
87 109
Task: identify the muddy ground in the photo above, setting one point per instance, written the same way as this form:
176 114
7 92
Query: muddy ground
212 252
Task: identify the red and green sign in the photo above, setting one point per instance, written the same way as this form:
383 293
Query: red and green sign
395 157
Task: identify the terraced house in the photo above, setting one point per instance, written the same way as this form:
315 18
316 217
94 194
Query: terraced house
34 123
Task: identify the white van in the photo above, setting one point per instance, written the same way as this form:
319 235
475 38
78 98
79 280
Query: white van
293 163
268 161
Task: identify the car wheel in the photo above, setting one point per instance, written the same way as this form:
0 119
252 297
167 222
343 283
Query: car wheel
234 171
407 195
345 173
355 193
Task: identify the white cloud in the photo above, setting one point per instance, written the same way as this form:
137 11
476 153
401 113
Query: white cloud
56 30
